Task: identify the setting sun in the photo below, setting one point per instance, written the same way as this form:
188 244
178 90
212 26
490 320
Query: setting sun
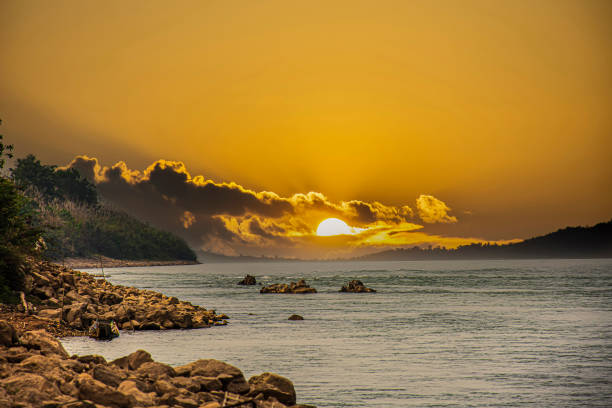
334 226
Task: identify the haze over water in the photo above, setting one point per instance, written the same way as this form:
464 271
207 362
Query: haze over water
461 333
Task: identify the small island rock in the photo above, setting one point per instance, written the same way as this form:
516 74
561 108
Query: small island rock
293 287
248 280
356 286
295 317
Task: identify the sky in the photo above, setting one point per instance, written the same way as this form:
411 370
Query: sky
415 122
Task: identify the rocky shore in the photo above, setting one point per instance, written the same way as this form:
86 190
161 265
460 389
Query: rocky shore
66 302
356 286
36 371
106 262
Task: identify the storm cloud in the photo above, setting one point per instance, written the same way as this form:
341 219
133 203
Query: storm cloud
221 217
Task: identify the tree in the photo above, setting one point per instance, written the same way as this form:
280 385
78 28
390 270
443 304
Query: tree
17 237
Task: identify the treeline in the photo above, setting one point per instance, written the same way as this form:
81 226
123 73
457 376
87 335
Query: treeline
74 223
570 242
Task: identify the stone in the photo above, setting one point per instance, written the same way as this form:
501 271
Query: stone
109 375
133 361
100 393
165 387
29 388
356 286
155 370
248 280
207 383
273 385
43 341
51 314
8 334
295 317
140 398
233 380
91 358
296 288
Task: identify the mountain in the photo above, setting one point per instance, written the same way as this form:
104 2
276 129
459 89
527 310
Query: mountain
570 242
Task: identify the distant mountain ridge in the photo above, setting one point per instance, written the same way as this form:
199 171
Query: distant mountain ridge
569 242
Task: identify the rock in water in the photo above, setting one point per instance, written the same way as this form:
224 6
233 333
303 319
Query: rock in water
248 280
356 286
293 287
295 317
273 385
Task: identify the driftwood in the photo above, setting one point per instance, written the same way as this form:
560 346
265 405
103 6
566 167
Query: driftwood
24 303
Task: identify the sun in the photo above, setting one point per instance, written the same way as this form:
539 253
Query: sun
334 226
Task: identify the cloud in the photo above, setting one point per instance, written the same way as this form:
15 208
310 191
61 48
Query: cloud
229 218
432 210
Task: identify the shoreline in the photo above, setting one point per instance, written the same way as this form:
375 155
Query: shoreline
105 262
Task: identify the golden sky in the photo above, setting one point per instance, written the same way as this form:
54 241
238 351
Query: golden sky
500 109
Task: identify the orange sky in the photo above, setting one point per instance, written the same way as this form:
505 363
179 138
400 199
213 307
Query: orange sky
501 109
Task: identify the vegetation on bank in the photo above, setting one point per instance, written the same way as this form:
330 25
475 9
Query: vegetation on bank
55 213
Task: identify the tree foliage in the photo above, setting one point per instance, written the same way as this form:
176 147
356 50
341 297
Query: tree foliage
17 236
53 183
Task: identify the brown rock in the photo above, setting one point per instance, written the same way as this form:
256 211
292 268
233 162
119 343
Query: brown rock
273 385
356 286
43 341
165 387
207 383
100 393
248 280
295 317
29 388
233 380
52 314
133 361
109 375
91 358
155 370
8 334
296 288
140 398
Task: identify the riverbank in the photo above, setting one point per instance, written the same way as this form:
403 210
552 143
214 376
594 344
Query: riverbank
106 262
36 371
66 302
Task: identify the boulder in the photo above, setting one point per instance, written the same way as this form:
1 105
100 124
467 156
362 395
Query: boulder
43 341
356 286
273 385
248 280
140 398
133 361
100 393
165 387
296 288
109 375
8 334
155 370
231 377
29 388
51 314
295 317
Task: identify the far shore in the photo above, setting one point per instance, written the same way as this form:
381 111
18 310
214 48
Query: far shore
105 262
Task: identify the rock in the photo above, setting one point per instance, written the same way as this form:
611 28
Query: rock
295 317
29 388
273 385
233 380
186 402
8 335
155 370
133 361
356 286
43 341
140 398
248 280
51 314
109 375
207 383
91 358
296 288
165 387
100 393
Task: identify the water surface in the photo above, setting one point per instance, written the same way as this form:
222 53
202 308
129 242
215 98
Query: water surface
437 333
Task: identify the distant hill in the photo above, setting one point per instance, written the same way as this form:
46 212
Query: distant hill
74 223
570 242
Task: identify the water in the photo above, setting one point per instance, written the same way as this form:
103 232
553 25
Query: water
468 333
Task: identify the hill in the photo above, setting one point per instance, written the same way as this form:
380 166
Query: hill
74 223
570 242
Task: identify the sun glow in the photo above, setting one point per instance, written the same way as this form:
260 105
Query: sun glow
335 226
